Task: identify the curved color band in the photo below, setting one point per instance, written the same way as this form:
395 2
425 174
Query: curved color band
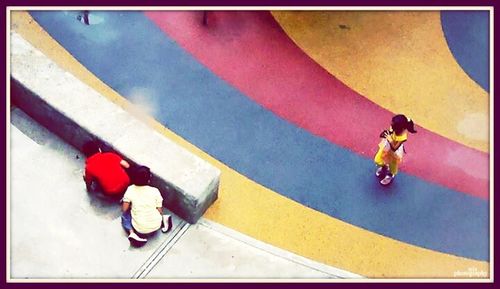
413 72
467 35
259 60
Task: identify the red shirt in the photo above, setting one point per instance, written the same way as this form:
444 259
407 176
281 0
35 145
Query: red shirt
107 170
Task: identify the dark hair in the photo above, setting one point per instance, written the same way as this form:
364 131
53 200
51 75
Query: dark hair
400 122
92 147
141 176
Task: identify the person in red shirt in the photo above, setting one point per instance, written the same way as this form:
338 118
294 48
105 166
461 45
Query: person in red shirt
107 170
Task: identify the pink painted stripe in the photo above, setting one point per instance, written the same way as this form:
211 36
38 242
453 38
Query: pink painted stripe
250 51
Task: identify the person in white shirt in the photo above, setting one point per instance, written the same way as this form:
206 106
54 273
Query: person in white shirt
142 207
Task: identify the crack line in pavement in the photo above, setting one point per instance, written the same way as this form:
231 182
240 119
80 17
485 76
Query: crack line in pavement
162 250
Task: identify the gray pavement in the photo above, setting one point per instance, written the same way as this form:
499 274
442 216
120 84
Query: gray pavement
59 231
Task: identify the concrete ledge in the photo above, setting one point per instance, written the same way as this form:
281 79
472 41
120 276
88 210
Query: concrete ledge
77 113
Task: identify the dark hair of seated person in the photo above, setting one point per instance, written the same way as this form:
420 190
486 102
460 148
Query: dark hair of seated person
141 176
90 148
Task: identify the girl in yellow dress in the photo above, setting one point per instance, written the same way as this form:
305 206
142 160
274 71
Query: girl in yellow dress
391 149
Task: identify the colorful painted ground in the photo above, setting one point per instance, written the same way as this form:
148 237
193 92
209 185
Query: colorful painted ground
289 105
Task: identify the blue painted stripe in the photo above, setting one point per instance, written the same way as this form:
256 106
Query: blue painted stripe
467 34
132 55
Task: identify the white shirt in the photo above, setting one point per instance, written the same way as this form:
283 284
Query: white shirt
144 201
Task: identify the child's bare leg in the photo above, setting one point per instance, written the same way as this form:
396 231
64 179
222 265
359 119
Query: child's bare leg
393 166
380 162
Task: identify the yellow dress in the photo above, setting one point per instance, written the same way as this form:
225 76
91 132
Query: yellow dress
386 155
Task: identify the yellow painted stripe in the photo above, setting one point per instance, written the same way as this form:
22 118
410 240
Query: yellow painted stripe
258 212
399 60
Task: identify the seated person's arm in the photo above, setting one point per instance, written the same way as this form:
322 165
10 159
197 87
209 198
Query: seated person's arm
159 203
88 180
124 164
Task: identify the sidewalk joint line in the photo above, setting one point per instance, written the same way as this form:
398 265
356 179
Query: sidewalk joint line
161 251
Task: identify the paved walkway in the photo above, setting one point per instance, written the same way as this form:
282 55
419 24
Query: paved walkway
60 231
